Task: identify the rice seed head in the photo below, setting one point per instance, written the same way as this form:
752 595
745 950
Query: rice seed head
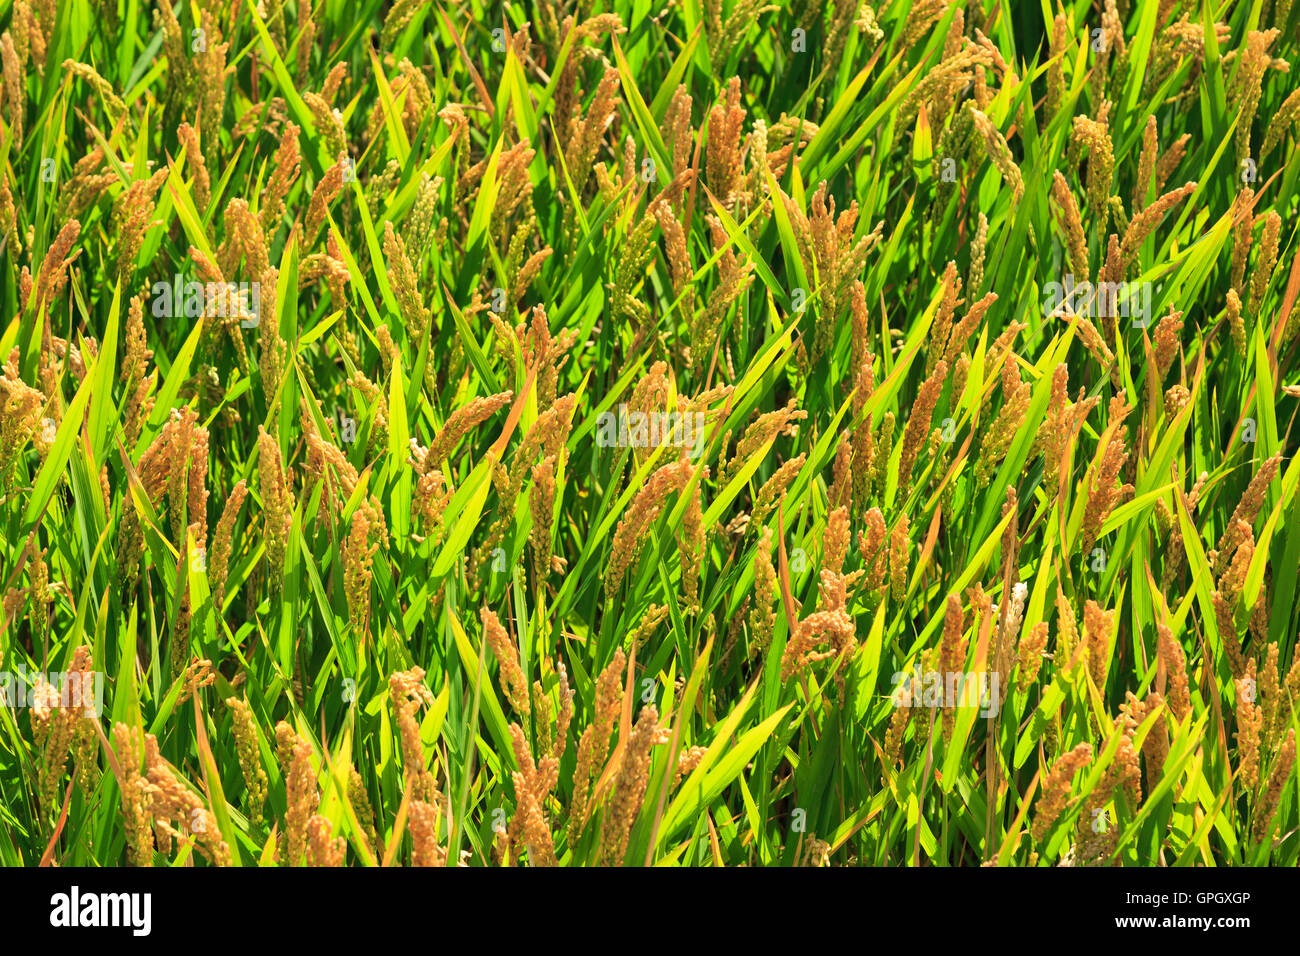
1243 222
762 613
999 153
1145 222
1280 123
1056 788
133 795
426 847
284 171
249 752
1255 60
998 439
1264 261
512 676
900 546
1167 342
918 423
774 489
629 787
593 746
277 504
1032 647
1250 724
301 792
1174 661
1267 808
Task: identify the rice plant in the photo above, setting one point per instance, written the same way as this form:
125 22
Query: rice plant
620 433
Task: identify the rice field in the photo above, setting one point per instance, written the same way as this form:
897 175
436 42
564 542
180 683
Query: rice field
621 433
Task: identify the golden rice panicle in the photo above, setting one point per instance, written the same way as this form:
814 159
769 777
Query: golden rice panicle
1250 725
1103 494
1146 165
1167 342
464 420
1264 262
408 692
593 746
53 274
533 783
189 137
1174 661
1245 513
839 491
1030 653
359 550
324 849
1126 769
132 215
769 425
1098 627
406 285
15 99
426 846
918 424
541 502
864 443
1270 692
249 751
762 613
301 792
691 544
998 438
1091 138
963 330
514 684
952 655
830 625
630 535
1255 59
1145 222
565 715
1076 241
1281 121
884 450
1067 633
1243 222
941 328
1056 788
133 792
629 787
210 73
723 159
900 546
1236 325
774 489
836 543
284 171
678 134
178 811
999 153
871 542
1055 70
277 503
1267 807
330 185
588 131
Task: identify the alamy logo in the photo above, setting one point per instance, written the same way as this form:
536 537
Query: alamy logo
191 299
633 429
1101 299
70 690
956 689
76 909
